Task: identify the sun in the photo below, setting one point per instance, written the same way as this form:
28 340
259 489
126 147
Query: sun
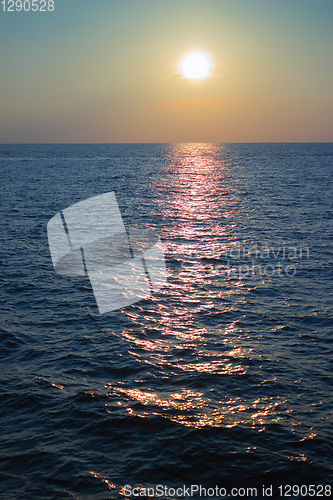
195 65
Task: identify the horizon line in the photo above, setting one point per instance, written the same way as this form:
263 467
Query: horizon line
157 143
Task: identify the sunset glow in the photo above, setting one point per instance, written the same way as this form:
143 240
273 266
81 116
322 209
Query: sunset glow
164 72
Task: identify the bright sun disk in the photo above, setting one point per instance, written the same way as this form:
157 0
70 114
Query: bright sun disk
195 65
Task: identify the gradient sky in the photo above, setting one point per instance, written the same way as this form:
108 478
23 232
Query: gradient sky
107 71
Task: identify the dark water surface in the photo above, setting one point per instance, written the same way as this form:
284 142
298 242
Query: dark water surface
224 377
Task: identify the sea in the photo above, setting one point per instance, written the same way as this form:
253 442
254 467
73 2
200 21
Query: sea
219 385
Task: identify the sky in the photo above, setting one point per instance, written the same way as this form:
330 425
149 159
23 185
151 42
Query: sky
107 71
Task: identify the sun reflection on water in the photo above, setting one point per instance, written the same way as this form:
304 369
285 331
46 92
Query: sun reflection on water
193 409
190 332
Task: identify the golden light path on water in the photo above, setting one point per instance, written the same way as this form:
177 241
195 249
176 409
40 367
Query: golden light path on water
181 331
194 206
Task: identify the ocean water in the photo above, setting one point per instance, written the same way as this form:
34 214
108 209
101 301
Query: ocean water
223 377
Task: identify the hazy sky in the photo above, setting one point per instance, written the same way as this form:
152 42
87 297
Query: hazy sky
108 71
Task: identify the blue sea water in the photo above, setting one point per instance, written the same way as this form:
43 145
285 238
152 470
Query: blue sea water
223 377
